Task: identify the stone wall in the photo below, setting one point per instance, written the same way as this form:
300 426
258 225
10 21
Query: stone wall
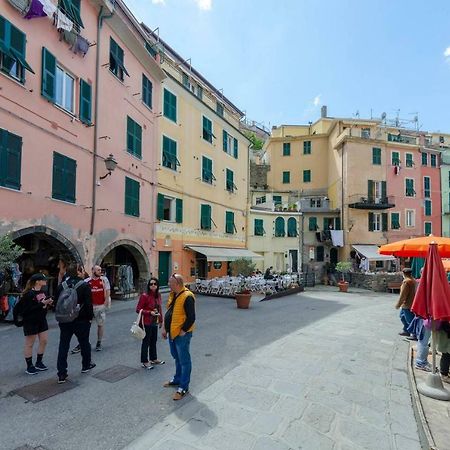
375 281
258 175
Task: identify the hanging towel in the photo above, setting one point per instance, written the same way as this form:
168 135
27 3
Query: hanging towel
70 37
337 237
48 7
81 45
20 5
63 22
36 10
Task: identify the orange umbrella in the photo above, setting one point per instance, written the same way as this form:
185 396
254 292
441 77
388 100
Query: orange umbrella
417 247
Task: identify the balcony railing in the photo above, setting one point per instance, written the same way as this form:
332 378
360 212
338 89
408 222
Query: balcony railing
366 202
402 139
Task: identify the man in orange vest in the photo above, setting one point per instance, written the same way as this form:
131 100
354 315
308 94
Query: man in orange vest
178 326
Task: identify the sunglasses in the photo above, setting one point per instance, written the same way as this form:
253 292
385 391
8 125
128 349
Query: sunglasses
153 284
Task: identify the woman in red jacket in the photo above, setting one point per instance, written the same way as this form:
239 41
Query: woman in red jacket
150 304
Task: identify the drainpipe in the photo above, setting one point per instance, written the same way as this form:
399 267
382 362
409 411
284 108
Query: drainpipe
95 149
342 196
248 206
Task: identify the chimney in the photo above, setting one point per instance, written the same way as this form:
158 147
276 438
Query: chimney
323 111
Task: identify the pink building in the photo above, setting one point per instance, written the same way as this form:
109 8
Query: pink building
76 85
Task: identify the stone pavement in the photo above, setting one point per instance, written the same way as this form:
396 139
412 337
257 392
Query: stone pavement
339 383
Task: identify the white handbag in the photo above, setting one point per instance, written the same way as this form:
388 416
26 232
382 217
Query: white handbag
136 330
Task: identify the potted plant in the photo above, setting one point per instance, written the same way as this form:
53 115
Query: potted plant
242 267
343 267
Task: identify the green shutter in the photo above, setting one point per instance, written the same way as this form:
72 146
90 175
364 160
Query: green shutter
427 228
64 178
370 221
207 129
48 86
71 8
376 156
229 222
383 191
395 221
292 227
312 224
409 160
10 159
395 158
229 180
179 210
424 159
286 149
286 177
433 160
370 191
225 141
428 207
337 223
259 227
70 170
279 227
236 148
85 102
384 222
160 207
277 199
170 105
307 147
205 217
307 176
134 138
207 174
132 197
147 91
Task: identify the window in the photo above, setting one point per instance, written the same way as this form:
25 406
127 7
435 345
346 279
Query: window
147 91
230 144
134 138
170 106
64 89
205 217
292 227
409 160
427 205
71 8
376 156
395 158
200 92
185 81
169 209
85 102
116 65
219 109
132 188
235 148
410 218
207 172
315 202
424 159
426 187
12 51
229 182
277 199
331 223
286 149
286 177
375 222
306 176
10 159
427 228
433 160
64 178
279 227
230 228
320 251
169 154
207 130
307 147
395 221
365 133
259 227
312 226
409 187
260 200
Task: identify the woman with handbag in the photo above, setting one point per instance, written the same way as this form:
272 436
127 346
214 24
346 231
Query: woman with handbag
149 306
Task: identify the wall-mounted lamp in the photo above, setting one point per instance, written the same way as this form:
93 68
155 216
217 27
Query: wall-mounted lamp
110 164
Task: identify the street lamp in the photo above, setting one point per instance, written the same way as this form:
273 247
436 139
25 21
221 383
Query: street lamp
110 164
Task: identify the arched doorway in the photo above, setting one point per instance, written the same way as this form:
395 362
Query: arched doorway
127 267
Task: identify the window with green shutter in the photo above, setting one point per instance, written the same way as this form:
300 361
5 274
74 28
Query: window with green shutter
277 199
376 156
286 149
286 177
279 227
64 178
205 217
259 227
235 148
427 228
170 105
207 130
433 160
134 138
395 158
13 51
219 109
230 228
116 60
225 141
395 221
320 253
409 187
292 227
307 147
427 204
71 8
132 188
426 187
306 176
160 207
229 182
48 83
169 154
312 226
147 91
10 159
409 160
424 158
85 102
207 170
185 81
178 210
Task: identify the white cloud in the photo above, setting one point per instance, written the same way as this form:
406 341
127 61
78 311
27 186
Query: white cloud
447 54
204 5
159 2
317 99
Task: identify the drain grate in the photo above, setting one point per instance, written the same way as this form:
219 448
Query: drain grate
43 389
115 373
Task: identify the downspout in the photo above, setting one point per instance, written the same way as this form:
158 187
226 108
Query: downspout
342 196
95 149
248 201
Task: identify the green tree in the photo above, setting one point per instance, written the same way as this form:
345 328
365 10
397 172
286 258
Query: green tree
243 266
257 144
9 251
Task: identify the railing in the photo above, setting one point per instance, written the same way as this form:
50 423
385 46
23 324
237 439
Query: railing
368 202
401 139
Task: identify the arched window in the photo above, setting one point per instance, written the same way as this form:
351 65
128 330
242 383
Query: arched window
279 227
292 227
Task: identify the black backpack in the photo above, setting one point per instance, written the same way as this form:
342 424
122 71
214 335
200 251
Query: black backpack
17 314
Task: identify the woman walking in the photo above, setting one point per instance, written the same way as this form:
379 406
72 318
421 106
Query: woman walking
150 305
33 309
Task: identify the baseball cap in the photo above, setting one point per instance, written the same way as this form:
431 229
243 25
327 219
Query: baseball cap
38 277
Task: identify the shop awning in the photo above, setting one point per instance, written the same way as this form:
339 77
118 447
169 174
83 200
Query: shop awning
224 254
371 253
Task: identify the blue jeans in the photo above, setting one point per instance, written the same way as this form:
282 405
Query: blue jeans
406 316
179 349
422 347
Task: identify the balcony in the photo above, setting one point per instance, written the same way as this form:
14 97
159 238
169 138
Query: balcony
361 202
402 139
317 205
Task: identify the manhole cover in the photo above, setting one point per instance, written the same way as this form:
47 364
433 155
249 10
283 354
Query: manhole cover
44 389
115 373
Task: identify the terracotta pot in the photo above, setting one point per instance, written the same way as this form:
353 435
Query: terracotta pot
343 286
243 300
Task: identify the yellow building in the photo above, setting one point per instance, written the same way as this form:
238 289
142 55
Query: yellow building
202 174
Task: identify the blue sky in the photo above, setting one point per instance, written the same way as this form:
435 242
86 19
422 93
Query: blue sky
281 60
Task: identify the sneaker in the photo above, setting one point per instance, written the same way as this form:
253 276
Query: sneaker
170 383
147 366
403 333
179 394
424 367
41 366
411 338
157 362
62 378
98 347
31 370
88 369
76 349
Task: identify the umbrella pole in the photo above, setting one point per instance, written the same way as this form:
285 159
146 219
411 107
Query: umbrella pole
433 387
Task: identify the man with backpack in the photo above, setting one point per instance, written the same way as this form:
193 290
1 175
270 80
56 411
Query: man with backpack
74 313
